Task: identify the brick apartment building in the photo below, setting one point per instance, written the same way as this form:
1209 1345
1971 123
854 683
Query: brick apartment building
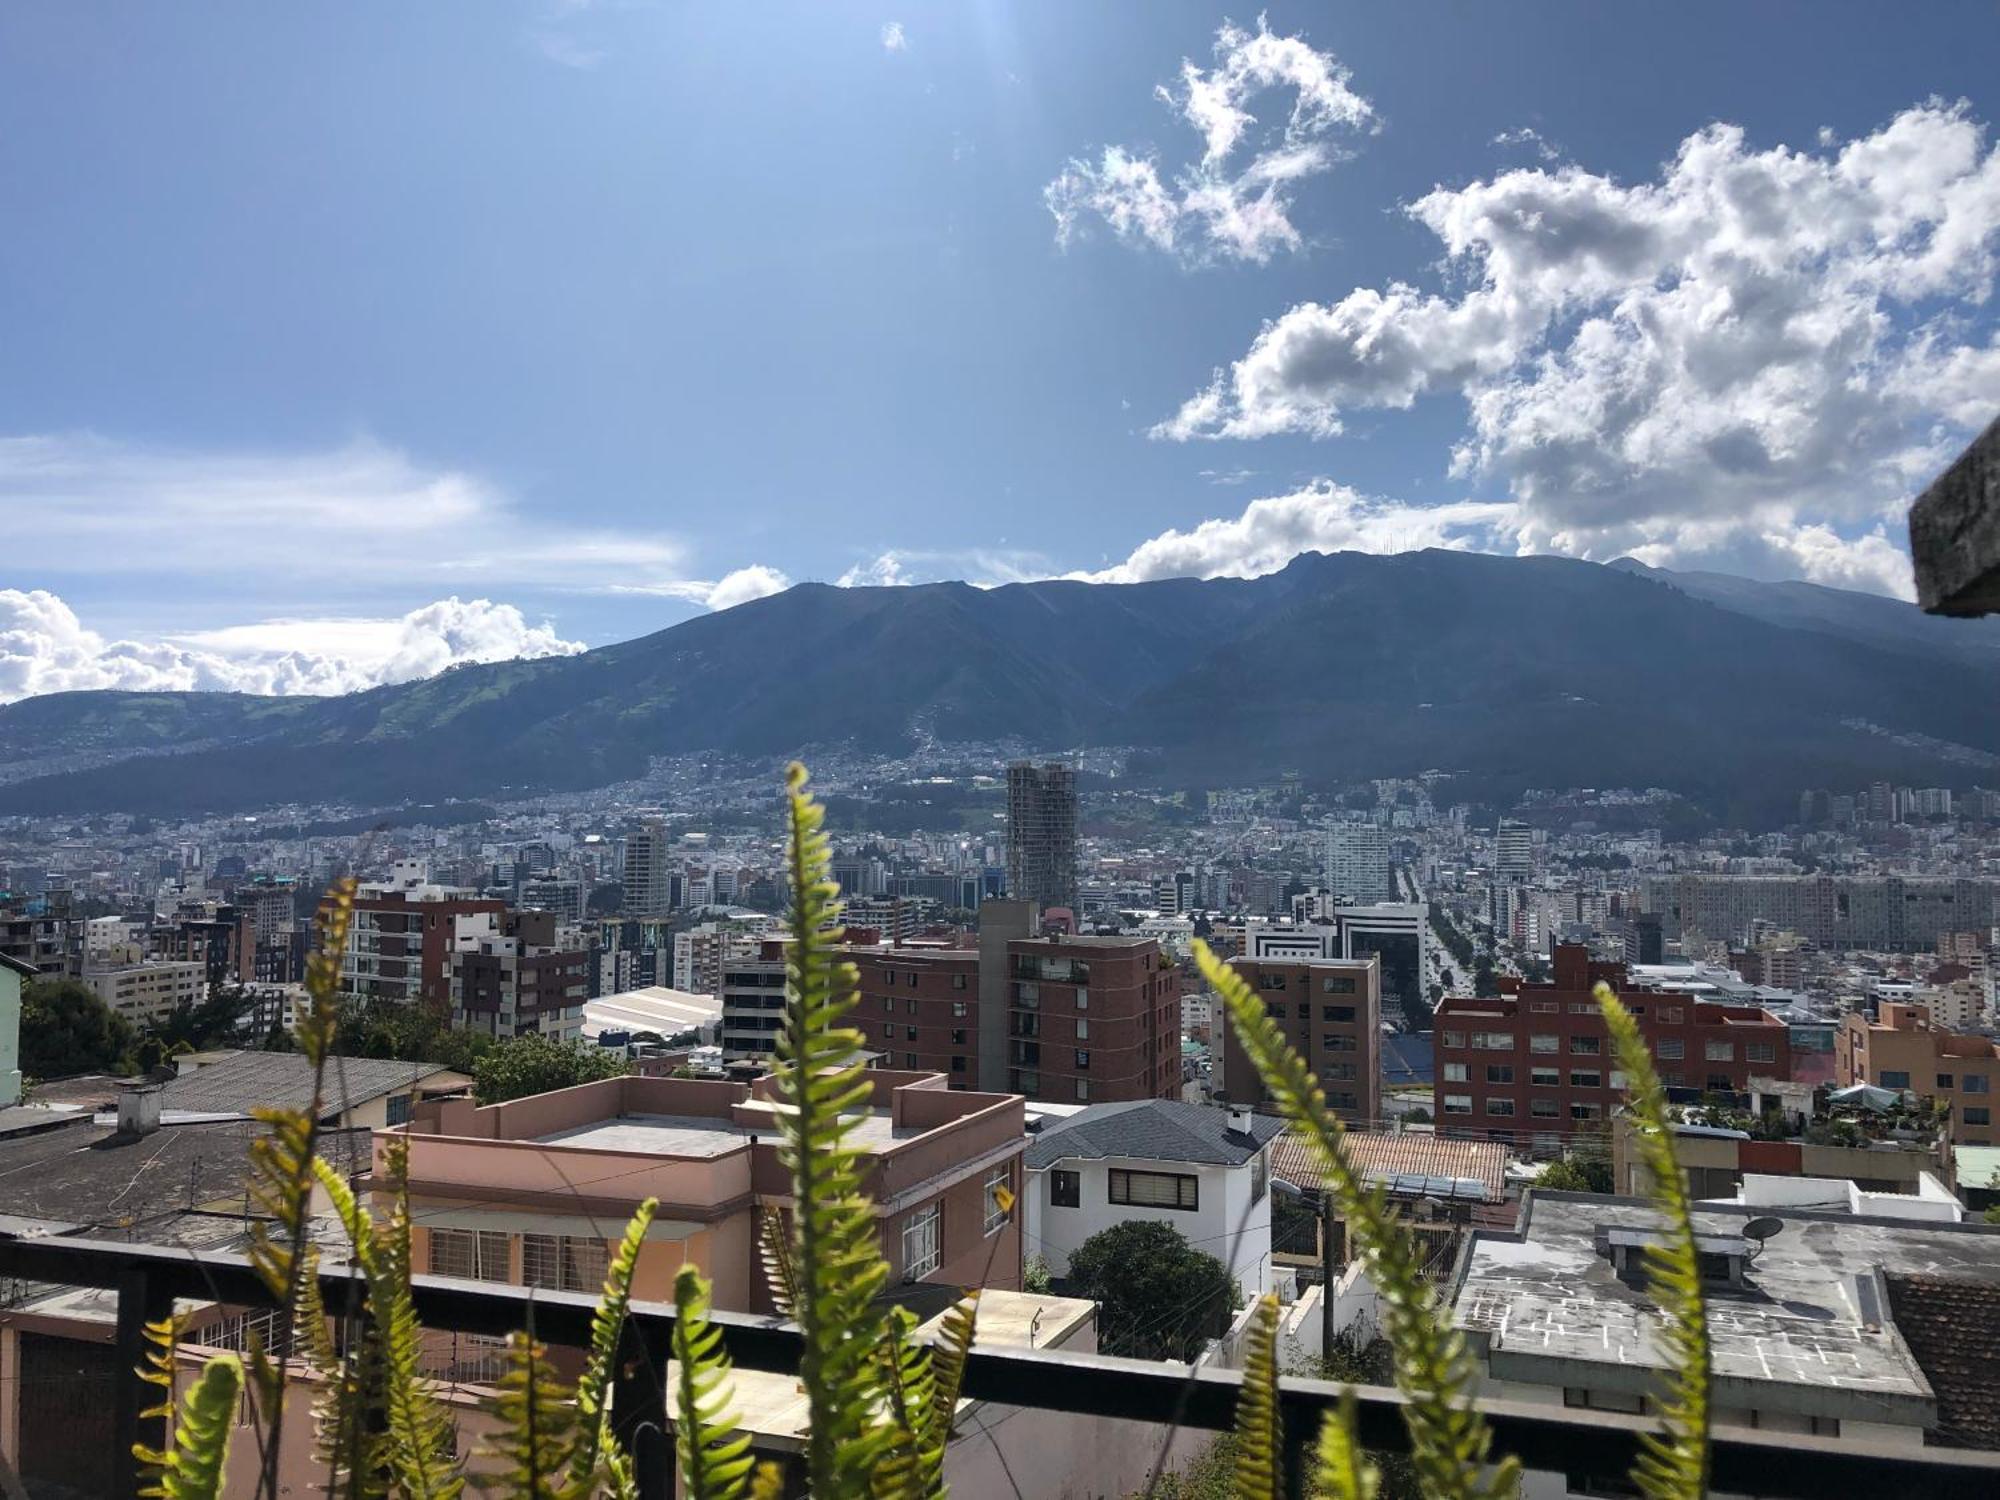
920 1008
399 945
514 979
1092 1020
1533 1066
1330 1010
1906 1049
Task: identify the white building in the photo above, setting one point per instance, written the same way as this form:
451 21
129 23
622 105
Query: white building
144 992
1357 862
1202 1168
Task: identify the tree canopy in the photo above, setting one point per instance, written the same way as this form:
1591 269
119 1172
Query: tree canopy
536 1064
1158 1296
66 1029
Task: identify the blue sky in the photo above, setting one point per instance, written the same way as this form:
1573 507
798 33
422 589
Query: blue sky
344 341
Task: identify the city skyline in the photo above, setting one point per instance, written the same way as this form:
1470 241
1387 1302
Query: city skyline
592 340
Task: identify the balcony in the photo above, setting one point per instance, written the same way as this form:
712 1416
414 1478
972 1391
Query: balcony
147 1279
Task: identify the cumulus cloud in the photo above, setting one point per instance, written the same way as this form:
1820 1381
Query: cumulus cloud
1234 200
893 38
46 648
1763 349
745 584
1322 517
886 571
1531 138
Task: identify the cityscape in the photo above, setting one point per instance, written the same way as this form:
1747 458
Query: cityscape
1097 953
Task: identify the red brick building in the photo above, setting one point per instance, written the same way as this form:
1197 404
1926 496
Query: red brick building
1533 1066
1092 1020
1330 1010
399 948
920 1008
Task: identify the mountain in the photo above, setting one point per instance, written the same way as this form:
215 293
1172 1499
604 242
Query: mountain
1513 672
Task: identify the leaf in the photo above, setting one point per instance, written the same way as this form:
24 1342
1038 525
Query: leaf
598 1449
1673 1463
191 1467
714 1458
1260 1448
536 1435
1341 1471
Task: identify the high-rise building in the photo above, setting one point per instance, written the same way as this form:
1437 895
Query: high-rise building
1514 850
1041 834
1331 1011
517 976
1091 1019
647 893
1357 862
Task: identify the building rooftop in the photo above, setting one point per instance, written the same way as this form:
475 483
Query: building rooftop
1473 1168
237 1083
1808 1331
1151 1130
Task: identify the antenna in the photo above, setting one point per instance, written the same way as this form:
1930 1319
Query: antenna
1761 1229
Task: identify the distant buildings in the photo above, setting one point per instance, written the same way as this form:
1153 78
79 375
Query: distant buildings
1904 1050
516 976
400 942
1041 834
1330 1010
146 992
1357 862
1884 912
647 889
1513 850
1090 1019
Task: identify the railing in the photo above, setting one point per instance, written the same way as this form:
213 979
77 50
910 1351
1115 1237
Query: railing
148 1279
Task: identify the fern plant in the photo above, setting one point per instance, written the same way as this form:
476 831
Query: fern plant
191 1465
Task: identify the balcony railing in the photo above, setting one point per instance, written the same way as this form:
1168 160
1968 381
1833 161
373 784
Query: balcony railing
149 1278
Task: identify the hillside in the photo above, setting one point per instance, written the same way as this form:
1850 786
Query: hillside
1517 671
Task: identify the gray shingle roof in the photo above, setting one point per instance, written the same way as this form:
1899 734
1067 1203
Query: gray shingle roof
283 1080
1151 1130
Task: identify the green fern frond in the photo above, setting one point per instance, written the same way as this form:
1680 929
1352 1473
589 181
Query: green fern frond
776 1247
1260 1444
597 1450
1450 1442
769 1481
536 1436
1673 1464
903 1469
191 1466
821 1082
1341 1471
714 1459
160 1363
948 1360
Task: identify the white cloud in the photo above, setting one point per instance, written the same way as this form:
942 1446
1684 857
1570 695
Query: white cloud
361 514
886 571
1762 350
1322 517
1532 138
1234 201
745 584
893 38
46 648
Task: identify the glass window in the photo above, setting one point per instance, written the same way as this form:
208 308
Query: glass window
1458 1104
958 1007
1277 1012
1583 1111
958 1065
1500 1073
562 1263
1760 1052
999 1197
1672 1015
1338 1041
1451 1039
910 1062
1065 1189
1082 1060
1154 1189
1493 1041
1976 1083
1719 1051
1083 1028
1541 1042
1338 984
1585 1046
1454 1073
1672 1049
1544 1109
1545 1078
923 1242
1895 1078
1585 1078
399 1109
470 1254
1544 1007
1336 1013
958 983
1944 1081
1499 1106
1978 1114
1083 1088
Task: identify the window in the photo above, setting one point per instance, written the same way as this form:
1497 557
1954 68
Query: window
1082 1061
1341 1071
999 1197
1083 1028
1500 1073
1336 1041
958 1036
1895 1078
1260 1177
1672 1015
1083 999
923 1242
1544 1109
1545 1078
1338 1014
1616 1080
1576 1396
1065 1189
1338 984
1719 1051
958 1007
1586 1046
1978 1114
1760 1052
888 1002
1544 1042
1720 1083
909 1033
562 1263
1083 1088
1499 1106
1493 1041
888 1031
1451 1039
1585 1078
1544 1007
958 983
1976 1083
1583 1008
1270 981
1277 1012
470 1254
910 1004
958 1065
909 1062
1672 1049
1583 1111
913 979
1454 1073
1458 1104
1154 1189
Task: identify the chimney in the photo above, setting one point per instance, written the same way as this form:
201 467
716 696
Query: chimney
138 1109
1239 1119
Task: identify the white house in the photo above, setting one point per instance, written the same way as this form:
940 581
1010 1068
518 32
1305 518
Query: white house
1203 1168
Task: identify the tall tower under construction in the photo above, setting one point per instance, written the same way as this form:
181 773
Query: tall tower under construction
1041 834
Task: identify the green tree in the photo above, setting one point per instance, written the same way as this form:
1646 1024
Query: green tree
536 1064
1485 982
1160 1298
1577 1174
66 1029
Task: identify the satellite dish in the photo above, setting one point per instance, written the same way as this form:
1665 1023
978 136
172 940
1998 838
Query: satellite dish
1762 1229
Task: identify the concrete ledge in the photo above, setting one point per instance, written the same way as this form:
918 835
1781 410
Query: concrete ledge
1955 533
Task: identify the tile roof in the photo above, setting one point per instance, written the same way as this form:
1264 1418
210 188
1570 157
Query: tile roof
1380 1153
1151 1130
1953 1328
283 1080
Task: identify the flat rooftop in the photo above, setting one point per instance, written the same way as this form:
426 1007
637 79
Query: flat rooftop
704 1135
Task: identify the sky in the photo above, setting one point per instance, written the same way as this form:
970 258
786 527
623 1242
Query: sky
345 342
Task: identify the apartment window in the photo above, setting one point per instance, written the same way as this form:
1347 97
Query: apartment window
1672 1049
1544 1007
1342 1100
1583 1111
1978 1114
1544 1042
1338 1014
1585 1046
1455 1073
470 1254
1576 1396
1083 1028
1976 1083
562 1263
1719 1051
958 1037
1545 1078
958 1065
1451 1039
1500 1073
1585 1078
1499 1106
1154 1189
1082 1060
1617 1079
1083 1088
1458 1104
888 1003
1260 1177
909 1062
1270 981
1340 1071
999 1197
1720 1083
1583 1007
1083 999
910 1004
399 1109
1672 1015
1944 1081
1338 984
1065 1189
913 978
1277 1012
1674 1080
1544 1109
958 983
909 1033
1335 1041
888 1031
958 1007
1760 1052
1493 1041
923 1242
1895 1078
